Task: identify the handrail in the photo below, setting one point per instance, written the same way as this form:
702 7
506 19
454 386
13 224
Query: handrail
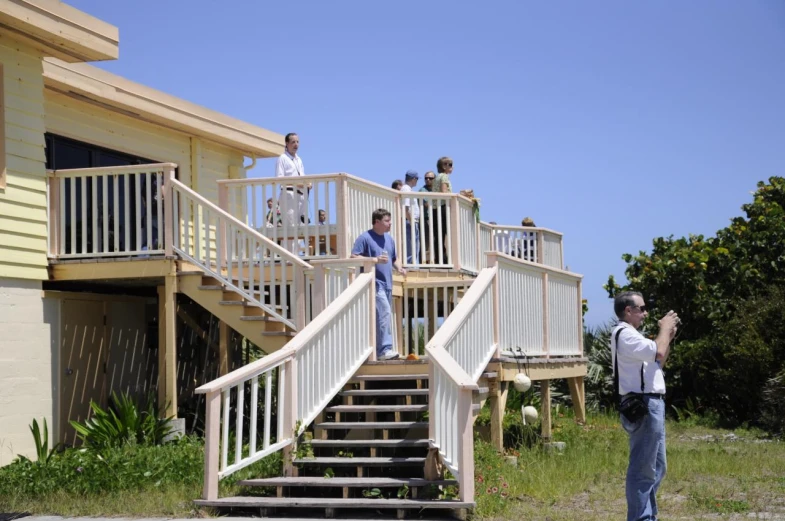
111 170
289 350
442 358
544 267
228 250
343 332
461 313
234 220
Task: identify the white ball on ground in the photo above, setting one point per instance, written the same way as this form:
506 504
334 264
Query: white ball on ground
522 383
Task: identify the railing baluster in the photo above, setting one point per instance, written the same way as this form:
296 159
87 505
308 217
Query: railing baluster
148 210
268 404
254 414
225 430
239 416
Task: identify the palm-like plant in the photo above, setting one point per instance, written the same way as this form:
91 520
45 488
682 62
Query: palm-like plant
124 423
599 376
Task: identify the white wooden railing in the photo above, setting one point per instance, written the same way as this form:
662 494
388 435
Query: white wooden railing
450 236
309 371
328 279
459 353
301 213
513 306
426 304
540 309
106 212
260 270
532 244
435 227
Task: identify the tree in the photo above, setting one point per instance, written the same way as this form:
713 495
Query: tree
728 345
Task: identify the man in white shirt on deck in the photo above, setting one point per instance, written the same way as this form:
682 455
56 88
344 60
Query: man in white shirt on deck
638 363
293 201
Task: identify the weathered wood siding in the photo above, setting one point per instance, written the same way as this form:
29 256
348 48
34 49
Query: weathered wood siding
23 201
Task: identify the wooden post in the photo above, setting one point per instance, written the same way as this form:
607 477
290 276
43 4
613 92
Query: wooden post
465 445
212 427
167 345
319 298
223 348
398 317
290 415
342 217
222 229
545 316
496 317
580 317
498 401
372 328
455 233
540 247
299 297
578 398
545 393
168 196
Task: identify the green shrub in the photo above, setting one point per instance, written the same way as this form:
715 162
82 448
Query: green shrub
86 472
124 423
43 452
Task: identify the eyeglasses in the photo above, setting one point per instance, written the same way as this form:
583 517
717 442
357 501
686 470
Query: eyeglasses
642 308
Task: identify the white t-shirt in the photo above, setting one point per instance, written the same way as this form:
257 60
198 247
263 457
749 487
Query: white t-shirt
411 201
637 362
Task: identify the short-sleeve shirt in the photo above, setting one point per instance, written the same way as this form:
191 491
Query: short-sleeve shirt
439 183
639 371
411 201
371 244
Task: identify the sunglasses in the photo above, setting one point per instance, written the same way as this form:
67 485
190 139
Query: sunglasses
447 164
430 178
642 308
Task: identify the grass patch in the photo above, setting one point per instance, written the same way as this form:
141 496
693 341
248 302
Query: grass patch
133 480
710 472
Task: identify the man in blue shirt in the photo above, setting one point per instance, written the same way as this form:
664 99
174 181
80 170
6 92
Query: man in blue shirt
377 244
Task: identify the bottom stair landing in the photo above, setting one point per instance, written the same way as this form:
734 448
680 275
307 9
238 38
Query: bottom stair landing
365 461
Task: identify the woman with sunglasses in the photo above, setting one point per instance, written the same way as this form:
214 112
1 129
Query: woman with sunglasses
442 184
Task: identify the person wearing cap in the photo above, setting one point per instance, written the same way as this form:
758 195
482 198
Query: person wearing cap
412 208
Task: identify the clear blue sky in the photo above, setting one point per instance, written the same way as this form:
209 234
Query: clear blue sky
611 121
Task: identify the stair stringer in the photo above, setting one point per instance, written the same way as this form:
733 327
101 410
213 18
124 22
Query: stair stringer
270 334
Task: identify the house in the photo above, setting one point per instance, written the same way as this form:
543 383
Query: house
136 256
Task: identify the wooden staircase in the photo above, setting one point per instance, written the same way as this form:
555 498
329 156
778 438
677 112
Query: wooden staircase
367 456
247 319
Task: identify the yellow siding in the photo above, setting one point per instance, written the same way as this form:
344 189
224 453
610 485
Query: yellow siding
85 122
23 202
214 165
82 121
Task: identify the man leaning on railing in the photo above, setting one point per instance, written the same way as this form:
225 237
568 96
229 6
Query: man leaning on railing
377 244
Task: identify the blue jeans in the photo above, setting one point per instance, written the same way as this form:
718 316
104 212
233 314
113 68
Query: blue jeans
647 461
413 247
384 337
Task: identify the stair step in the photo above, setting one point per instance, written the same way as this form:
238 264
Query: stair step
303 502
258 318
385 392
378 408
211 287
370 443
361 462
371 425
388 377
344 482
